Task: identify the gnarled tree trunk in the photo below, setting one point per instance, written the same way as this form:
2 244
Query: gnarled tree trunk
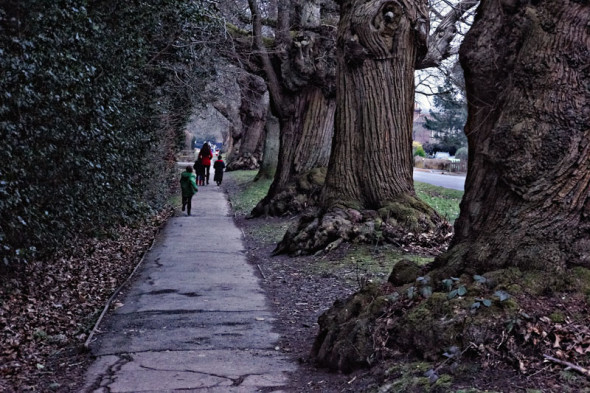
527 195
247 149
371 163
306 138
526 205
303 100
369 184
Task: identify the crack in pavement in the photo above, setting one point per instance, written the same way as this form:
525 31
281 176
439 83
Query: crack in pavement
200 311
235 381
107 378
188 311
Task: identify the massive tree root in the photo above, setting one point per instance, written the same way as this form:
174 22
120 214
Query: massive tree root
513 289
506 318
303 193
406 220
245 162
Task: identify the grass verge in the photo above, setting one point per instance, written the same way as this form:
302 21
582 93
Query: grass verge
444 200
250 192
362 263
244 196
361 260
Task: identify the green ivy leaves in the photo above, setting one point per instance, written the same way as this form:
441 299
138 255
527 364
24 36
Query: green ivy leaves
83 140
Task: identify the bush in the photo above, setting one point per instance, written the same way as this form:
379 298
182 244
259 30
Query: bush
432 163
461 154
92 107
432 148
418 150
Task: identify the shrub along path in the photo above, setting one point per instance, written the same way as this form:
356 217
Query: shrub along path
195 317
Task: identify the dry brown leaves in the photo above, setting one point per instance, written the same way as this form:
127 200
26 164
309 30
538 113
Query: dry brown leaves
431 243
551 336
49 307
541 341
568 341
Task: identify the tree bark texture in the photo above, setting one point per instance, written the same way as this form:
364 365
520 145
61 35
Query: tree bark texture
270 153
300 78
247 147
305 144
527 194
274 86
377 47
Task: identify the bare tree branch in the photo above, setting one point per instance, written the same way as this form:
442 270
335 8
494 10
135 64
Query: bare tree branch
283 35
274 86
439 42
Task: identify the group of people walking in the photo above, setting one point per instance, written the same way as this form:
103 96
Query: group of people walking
190 181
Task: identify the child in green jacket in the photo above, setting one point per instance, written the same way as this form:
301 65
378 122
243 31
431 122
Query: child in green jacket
189 188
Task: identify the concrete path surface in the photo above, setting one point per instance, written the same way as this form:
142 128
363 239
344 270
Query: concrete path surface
195 318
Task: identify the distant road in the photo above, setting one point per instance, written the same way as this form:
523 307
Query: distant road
456 182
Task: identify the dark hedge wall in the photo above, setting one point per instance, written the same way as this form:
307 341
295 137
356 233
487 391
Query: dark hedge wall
94 95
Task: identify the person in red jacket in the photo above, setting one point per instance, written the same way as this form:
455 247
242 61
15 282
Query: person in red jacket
205 155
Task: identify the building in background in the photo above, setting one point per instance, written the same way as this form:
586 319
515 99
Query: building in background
420 133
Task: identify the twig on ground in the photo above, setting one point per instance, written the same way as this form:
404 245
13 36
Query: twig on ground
541 370
575 367
261 272
454 357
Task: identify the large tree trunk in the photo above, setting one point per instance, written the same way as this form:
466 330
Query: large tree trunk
247 149
527 196
525 215
303 157
307 64
303 100
369 186
371 163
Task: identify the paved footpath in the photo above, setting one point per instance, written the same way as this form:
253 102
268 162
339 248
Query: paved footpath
195 318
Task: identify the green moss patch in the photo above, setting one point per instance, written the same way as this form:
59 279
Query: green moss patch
315 178
362 263
414 377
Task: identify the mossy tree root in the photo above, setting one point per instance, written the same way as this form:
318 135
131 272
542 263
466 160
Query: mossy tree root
301 194
432 320
405 220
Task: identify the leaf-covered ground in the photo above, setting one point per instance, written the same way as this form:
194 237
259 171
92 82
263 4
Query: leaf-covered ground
48 308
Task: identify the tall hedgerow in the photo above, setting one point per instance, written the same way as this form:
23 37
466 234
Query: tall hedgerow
94 95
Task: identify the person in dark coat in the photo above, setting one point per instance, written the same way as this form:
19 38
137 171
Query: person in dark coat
200 172
219 166
188 186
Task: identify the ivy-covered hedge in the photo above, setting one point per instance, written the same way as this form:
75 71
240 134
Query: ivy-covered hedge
94 95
